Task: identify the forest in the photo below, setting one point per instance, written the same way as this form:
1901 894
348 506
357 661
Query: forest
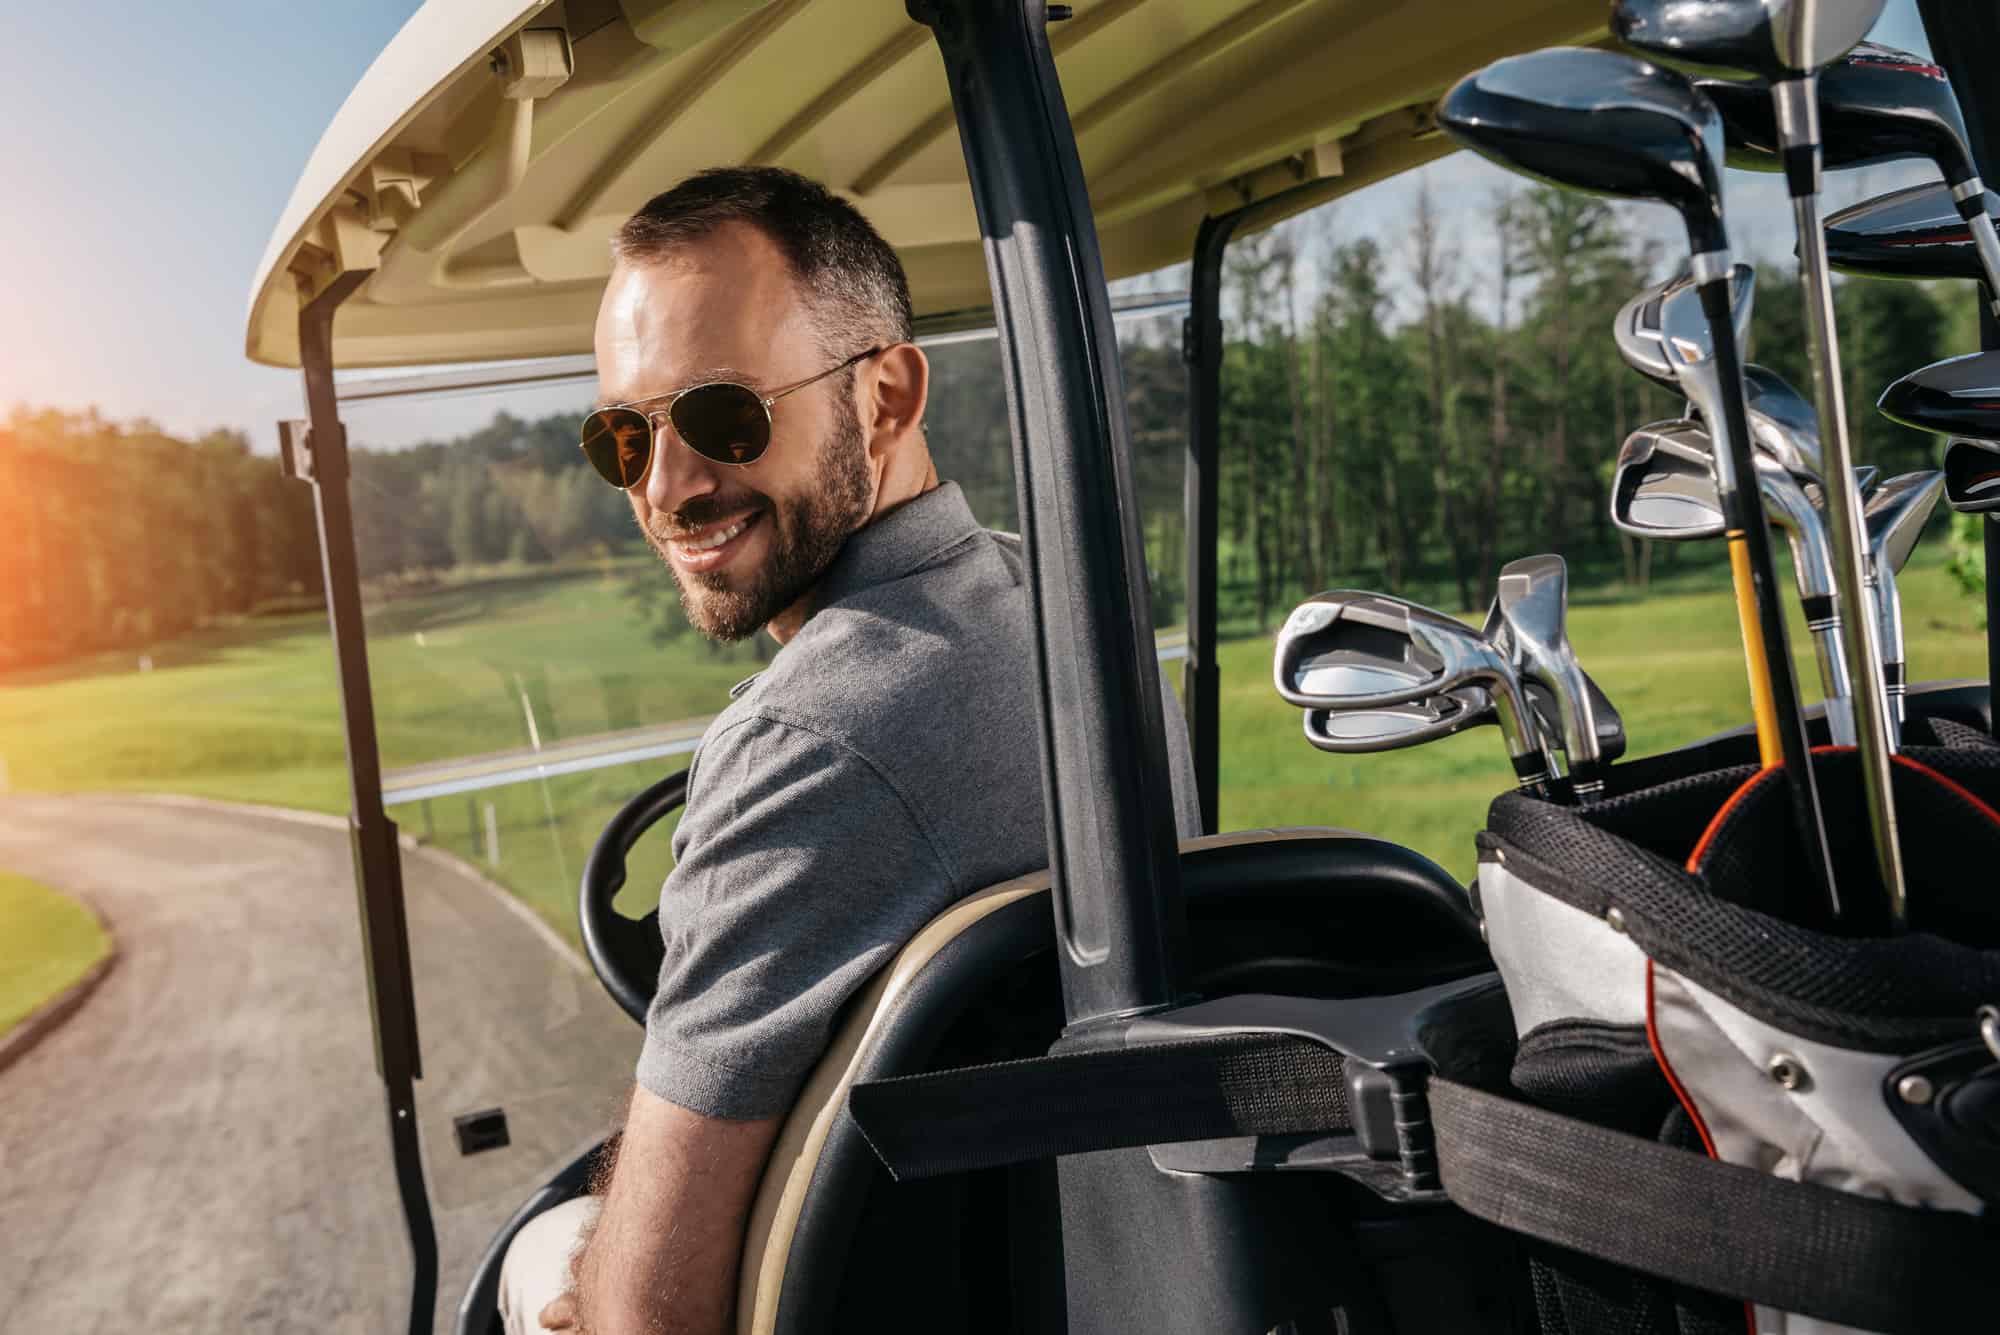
1397 416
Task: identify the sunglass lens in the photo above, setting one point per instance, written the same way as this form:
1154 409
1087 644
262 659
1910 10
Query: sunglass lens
726 423
618 441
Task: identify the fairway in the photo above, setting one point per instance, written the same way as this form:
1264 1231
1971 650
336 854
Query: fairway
251 713
48 942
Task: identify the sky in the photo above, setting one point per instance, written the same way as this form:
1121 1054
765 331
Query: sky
151 147
149 150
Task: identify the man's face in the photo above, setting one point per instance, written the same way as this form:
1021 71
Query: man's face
744 543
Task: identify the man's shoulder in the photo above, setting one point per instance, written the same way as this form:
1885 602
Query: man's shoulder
887 671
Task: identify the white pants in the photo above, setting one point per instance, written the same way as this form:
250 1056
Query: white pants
536 1269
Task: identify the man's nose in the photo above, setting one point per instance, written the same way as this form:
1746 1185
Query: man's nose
675 474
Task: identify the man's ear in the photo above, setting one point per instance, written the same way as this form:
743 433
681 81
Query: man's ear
895 397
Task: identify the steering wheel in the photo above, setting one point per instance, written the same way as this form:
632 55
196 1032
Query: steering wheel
625 952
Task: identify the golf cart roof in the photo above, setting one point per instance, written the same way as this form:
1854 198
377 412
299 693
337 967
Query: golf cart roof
481 165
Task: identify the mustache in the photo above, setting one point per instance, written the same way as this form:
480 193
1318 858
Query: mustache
702 511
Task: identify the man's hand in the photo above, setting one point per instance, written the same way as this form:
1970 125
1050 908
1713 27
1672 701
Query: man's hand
664 1252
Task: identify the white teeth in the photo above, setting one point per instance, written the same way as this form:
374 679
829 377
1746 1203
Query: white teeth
717 539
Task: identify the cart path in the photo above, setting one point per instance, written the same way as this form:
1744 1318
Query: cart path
203 1147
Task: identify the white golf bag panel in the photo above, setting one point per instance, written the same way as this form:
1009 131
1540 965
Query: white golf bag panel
1770 1038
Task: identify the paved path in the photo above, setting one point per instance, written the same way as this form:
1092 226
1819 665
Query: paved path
202 1146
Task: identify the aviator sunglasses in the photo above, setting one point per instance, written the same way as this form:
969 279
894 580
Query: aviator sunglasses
721 420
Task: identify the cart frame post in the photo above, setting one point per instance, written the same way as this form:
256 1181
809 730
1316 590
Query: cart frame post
322 459
1113 845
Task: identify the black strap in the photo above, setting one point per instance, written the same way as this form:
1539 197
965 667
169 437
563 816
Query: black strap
1653 1208
1710 1225
1113 1098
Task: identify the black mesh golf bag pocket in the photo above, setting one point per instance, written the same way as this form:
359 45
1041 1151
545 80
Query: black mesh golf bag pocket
1728 1112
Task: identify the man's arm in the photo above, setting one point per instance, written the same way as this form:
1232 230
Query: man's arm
664 1253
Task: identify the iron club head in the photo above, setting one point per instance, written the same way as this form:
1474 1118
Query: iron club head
1972 476
1354 650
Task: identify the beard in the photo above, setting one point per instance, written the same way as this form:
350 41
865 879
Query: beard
806 532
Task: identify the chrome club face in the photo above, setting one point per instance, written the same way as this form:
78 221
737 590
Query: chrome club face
1782 423
1352 650
1672 311
1532 604
1392 727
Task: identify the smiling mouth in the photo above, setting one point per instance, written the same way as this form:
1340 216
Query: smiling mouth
707 548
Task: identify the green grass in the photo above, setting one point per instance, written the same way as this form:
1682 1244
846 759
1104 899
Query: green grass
251 713
47 942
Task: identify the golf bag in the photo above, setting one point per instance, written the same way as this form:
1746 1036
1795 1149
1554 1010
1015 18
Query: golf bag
1727 1114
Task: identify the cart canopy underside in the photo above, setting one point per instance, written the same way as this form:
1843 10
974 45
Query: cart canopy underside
482 164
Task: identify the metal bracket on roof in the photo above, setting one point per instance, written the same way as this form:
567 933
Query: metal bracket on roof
1320 161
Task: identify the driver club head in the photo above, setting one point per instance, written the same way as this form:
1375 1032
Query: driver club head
1598 121
1914 233
1531 602
1349 650
1876 104
1766 39
1959 396
1972 476
1672 310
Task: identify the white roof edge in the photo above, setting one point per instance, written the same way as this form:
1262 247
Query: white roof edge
438 43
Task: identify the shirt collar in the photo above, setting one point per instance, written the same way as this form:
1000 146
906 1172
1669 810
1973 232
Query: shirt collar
906 539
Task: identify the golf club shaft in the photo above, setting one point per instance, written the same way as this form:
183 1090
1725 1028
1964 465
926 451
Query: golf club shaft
1796 108
1774 692
1830 646
1971 200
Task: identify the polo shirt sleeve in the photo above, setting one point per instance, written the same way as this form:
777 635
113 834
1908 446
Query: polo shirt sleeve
802 870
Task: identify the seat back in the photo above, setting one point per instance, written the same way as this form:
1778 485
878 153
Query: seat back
1309 911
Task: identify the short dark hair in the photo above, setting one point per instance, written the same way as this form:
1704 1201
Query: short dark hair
851 275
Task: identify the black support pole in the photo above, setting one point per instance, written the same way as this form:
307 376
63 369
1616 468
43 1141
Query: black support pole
1965 40
1113 853
378 868
1201 349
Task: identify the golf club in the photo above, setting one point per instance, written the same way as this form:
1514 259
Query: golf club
1972 476
1897 514
1876 104
1916 232
1673 309
1531 605
1787 43
1351 650
1663 489
1393 727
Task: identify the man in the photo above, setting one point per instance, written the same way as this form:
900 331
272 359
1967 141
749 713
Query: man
882 766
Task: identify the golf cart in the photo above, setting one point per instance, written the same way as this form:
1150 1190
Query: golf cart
457 212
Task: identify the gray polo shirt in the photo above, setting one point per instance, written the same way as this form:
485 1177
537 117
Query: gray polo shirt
883 766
